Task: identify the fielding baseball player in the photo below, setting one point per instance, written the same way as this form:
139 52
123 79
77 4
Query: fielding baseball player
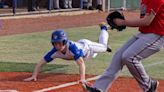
147 42
70 50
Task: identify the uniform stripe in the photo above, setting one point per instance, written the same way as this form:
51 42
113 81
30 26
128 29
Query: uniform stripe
139 54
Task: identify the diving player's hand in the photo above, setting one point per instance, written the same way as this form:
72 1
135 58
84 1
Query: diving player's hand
83 81
85 84
32 78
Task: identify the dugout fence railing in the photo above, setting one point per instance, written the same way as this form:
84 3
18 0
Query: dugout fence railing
19 7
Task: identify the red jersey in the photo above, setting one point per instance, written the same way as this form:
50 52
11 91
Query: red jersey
157 25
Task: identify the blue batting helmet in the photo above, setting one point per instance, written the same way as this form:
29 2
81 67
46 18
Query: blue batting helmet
59 36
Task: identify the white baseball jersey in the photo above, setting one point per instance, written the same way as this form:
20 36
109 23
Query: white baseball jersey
83 48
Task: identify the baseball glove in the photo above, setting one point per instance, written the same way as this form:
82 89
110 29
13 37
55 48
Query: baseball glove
113 16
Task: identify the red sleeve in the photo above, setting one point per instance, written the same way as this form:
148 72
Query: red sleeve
154 4
144 2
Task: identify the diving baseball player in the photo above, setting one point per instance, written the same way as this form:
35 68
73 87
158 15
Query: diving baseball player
69 50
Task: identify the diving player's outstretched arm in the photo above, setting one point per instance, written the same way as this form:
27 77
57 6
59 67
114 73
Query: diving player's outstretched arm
81 65
36 71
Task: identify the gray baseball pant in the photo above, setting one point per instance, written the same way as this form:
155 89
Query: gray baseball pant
137 48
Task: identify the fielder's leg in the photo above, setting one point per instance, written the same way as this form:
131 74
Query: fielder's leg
145 46
111 73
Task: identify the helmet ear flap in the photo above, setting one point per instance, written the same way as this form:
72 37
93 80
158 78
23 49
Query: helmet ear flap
52 43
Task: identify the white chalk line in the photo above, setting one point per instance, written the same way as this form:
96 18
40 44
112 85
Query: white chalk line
89 79
8 91
65 85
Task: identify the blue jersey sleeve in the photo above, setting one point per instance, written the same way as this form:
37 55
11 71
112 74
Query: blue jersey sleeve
48 57
77 52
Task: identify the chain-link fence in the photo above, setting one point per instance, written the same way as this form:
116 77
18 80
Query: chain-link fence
122 4
12 7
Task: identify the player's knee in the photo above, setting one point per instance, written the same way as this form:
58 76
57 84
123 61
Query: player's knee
126 58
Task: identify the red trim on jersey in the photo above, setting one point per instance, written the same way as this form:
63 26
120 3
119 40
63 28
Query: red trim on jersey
157 25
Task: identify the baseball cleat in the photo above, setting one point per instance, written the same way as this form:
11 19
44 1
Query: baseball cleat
104 25
154 85
109 49
90 89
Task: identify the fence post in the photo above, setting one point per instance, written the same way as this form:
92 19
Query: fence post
103 5
124 5
14 4
109 6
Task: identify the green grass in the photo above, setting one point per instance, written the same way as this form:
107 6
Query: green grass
25 67
20 53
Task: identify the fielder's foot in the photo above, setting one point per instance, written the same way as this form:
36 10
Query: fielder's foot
91 89
154 85
104 25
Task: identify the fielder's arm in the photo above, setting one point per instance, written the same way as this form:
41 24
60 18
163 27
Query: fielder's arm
140 22
81 65
36 71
